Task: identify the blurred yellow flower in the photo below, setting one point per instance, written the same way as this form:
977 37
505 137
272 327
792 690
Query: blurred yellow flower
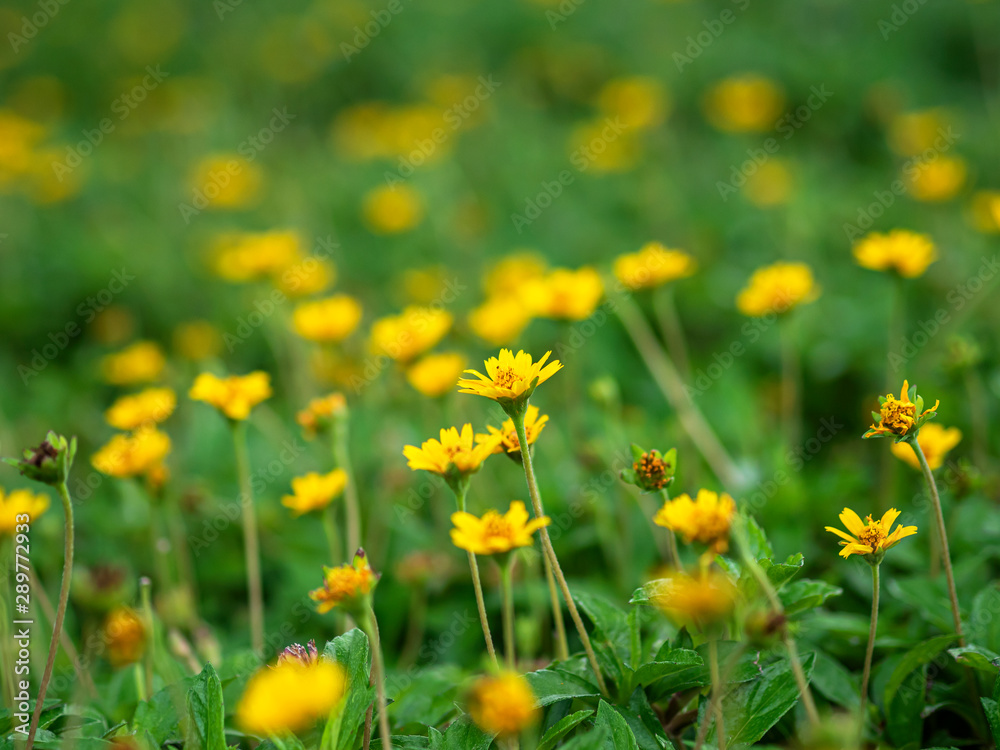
308 276
900 416
777 289
985 211
565 294
702 599
18 138
423 285
142 362
500 320
935 441
415 330
197 340
504 704
290 697
314 491
905 252
235 395
745 103
134 454
113 325
146 408
249 256
327 320
533 425
653 265
912 133
494 533
435 374
938 179
769 185
392 210
507 277
869 537
639 102
604 146
345 586
226 181
454 453
705 519
321 412
510 376
125 636
20 502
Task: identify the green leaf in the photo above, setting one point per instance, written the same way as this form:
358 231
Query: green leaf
984 624
610 621
561 728
351 651
992 711
552 685
781 573
599 738
834 682
158 715
461 734
671 662
757 539
206 728
620 735
978 658
911 660
645 724
409 742
755 706
800 596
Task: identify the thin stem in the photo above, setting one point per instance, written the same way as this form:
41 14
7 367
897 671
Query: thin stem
251 541
140 683
65 641
672 386
675 557
562 644
791 375
670 327
146 594
536 502
506 569
342 458
871 649
330 529
477 585
67 575
713 666
943 534
378 669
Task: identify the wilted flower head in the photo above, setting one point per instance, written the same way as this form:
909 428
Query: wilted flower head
125 636
905 252
235 395
20 503
306 656
870 538
705 519
777 289
314 491
146 408
503 705
435 374
935 442
402 337
50 462
291 696
327 320
347 586
902 416
495 533
701 599
321 412
651 471
142 362
134 454
653 265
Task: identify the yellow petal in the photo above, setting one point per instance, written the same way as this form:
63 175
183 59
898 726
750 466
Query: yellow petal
852 522
850 539
888 518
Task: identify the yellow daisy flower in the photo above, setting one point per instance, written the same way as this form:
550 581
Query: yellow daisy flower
935 441
510 377
314 491
345 586
652 266
504 704
939 179
500 320
405 336
905 252
131 455
291 696
392 210
900 416
701 599
327 320
495 533
148 407
235 395
125 636
20 502
248 256
870 537
508 276
565 294
454 453
533 425
197 340
777 289
705 519
142 362
435 374
321 412
745 103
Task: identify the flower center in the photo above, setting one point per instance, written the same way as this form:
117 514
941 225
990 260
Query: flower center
872 534
495 525
897 415
505 377
652 470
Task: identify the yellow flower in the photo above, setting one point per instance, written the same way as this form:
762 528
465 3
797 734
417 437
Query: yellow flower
148 407
250 256
402 337
510 377
235 395
653 265
290 696
503 705
132 455
423 286
770 185
16 503
744 104
392 210
500 320
935 441
345 586
701 599
508 276
226 181
314 491
705 519
533 425
912 133
435 374
603 146
310 276
327 320
936 180
985 211
900 416
197 340
454 453
320 412
638 102
125 636
495 533
565 294
908 253
142 362
870 537
777 289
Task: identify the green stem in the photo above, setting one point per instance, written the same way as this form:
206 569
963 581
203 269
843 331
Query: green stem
536 502
713 666
460 492
251 541
791 375
871 649
670 327
370 625
67 575
146 586
140 683
342 458
675 557
943 535
506 569
330 528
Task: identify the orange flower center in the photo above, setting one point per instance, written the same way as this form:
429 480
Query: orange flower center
872 534
897 415
496 525
652 470
505 377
